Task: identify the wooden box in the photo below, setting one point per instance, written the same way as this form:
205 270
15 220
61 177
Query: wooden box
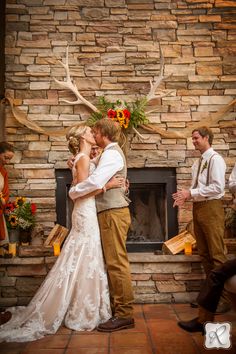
58 234
176 244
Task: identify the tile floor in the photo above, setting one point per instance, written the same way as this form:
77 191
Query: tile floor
156 332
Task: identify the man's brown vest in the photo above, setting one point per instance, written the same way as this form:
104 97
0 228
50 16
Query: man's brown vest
115 197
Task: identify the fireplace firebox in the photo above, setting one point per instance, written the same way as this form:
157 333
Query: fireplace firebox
154 220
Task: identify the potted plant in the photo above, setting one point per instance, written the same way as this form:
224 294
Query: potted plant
20 219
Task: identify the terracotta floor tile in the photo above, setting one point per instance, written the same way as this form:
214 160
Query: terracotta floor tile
140 326
43 351
156 332
95 341
156 311
124 339
50 342
128 350
138 311
162 326
12 348
87 351
177 344
86 333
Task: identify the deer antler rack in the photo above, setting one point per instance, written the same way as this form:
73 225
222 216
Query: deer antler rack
156 82
68 84
210 118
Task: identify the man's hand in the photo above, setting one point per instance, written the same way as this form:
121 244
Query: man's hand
180 197
70 162
115 182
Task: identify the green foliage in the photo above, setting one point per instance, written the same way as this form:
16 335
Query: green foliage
136 109
25 216
20 214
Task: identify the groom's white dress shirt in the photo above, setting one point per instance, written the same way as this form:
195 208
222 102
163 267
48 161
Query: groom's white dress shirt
215 189
109 164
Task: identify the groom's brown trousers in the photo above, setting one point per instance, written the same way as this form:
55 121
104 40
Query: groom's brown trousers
114 225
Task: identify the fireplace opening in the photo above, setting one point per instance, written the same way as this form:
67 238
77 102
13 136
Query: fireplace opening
154 220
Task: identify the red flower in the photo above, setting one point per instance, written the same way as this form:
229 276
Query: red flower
33 208
9 207
126 113
111 113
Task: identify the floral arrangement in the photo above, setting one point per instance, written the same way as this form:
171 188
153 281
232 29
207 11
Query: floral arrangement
20 214
129 115
120 115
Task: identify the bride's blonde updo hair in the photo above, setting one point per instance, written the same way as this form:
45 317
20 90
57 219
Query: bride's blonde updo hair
74 135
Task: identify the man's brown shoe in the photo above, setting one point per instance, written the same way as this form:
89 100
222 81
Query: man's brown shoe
5 317
116 324
192 326
223 307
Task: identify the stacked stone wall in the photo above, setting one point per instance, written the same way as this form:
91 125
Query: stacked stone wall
155 278
113 51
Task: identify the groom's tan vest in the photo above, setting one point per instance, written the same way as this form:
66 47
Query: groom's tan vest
115 197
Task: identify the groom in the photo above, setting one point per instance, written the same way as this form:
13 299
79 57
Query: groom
114 221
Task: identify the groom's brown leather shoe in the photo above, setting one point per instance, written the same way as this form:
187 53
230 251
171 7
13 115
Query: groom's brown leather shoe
116 324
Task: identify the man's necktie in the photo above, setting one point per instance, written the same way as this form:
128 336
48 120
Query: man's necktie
198 172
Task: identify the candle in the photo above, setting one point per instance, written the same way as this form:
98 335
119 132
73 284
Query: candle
12 249
56 248
188 248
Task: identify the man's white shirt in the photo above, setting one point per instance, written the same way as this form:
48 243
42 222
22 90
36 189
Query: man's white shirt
232 180
215 189
109 164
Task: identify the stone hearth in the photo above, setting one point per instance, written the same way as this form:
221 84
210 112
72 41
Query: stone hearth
155 278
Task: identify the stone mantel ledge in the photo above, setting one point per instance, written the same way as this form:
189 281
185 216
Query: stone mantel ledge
40 255
27 260
153 258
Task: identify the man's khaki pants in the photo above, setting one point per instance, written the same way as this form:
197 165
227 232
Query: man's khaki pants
114 225
208 219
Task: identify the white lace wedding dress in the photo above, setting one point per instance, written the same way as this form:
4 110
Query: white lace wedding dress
75 291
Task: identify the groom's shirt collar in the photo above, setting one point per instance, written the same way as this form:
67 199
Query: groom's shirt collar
109 145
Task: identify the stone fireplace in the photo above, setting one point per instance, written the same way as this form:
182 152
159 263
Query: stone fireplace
114 51
154 220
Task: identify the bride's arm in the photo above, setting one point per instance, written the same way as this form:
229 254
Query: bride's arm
82 169
115 182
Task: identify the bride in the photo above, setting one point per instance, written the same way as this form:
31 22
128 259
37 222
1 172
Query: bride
75 291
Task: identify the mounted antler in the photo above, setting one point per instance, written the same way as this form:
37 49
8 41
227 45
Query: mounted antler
209 119
68 84
156 82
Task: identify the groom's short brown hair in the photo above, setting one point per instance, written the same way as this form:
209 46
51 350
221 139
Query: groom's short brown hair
108 128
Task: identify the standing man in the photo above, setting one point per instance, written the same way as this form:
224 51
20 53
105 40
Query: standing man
207 190
114 221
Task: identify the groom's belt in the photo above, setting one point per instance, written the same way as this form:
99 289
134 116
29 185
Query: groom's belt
102 211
